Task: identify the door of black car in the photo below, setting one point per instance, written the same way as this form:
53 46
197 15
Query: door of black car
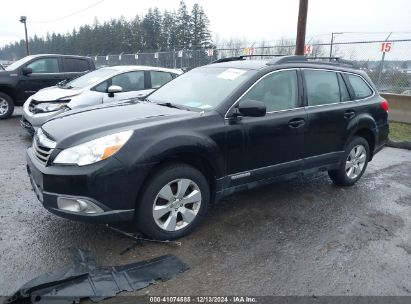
46 72
329 116
264 147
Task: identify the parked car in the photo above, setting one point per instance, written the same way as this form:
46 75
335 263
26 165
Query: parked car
215 130
406 92
26 76
101 86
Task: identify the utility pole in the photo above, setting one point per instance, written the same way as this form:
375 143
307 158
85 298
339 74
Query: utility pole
23 20
301 27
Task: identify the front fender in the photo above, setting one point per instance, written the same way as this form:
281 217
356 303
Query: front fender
167 146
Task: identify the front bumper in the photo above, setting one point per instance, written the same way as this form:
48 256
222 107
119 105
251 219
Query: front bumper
25 124
108 184
30 121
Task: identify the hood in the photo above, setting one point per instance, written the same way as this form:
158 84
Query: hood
5 76
55 93
78 126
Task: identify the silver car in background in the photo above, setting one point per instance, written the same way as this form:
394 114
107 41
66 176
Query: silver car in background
101 86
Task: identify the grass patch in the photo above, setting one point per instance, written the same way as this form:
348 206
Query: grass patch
400 131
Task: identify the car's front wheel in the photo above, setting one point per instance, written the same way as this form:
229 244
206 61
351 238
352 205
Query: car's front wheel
173 203
355 161
6 106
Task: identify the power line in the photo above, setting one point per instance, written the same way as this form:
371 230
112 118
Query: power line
72 14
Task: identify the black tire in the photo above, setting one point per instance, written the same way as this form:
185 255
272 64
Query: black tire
9 105
340 176
144 210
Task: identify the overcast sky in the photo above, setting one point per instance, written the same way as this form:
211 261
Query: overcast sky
253 20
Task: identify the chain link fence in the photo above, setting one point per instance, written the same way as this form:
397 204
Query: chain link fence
173 59
388 63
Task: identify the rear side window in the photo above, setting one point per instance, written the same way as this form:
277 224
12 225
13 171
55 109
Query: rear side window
359 86
322 87
75 65
159 78
345 96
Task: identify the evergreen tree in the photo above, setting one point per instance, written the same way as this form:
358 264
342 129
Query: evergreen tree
168 38
199 23
153 32
183 35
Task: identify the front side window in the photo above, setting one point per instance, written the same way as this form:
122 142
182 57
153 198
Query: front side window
360 88
279 91
158 79
45 65
322 87
132 81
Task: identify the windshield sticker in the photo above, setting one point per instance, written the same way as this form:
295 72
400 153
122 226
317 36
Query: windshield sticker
231 74
206 106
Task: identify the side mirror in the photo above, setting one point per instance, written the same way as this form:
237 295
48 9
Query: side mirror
26 71
114 89
251 108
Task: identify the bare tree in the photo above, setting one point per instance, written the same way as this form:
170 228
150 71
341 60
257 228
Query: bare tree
353 54
284 47
318 49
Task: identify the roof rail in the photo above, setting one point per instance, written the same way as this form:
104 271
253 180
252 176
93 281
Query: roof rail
317 60
243 57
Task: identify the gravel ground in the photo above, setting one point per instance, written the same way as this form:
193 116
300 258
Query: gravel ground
300 237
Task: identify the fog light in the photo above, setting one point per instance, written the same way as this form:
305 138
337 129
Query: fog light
77 205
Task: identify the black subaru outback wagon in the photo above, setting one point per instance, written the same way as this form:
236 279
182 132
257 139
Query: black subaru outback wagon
216 130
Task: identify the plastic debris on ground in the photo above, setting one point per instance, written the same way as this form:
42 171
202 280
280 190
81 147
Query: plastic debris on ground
83 278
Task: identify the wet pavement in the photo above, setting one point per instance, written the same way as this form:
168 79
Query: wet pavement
300 237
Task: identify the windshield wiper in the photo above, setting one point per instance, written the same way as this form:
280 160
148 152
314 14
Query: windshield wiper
170 105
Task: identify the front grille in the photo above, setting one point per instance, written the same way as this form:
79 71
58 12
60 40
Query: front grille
42 153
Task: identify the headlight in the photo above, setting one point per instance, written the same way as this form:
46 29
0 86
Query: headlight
49 107
93 151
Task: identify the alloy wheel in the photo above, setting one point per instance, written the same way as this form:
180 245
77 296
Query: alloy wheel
4 106
177 204
355 162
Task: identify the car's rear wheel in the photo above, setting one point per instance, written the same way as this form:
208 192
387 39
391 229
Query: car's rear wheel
6 106
355 161
173 202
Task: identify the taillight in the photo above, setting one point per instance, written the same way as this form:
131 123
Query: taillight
384 105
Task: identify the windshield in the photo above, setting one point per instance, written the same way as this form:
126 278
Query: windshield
89 79
18 63
203 88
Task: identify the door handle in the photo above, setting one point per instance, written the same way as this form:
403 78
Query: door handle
296 122
349 114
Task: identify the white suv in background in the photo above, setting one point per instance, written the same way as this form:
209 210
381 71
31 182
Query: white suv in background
104 85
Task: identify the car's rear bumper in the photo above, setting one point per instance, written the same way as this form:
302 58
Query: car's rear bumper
107 184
